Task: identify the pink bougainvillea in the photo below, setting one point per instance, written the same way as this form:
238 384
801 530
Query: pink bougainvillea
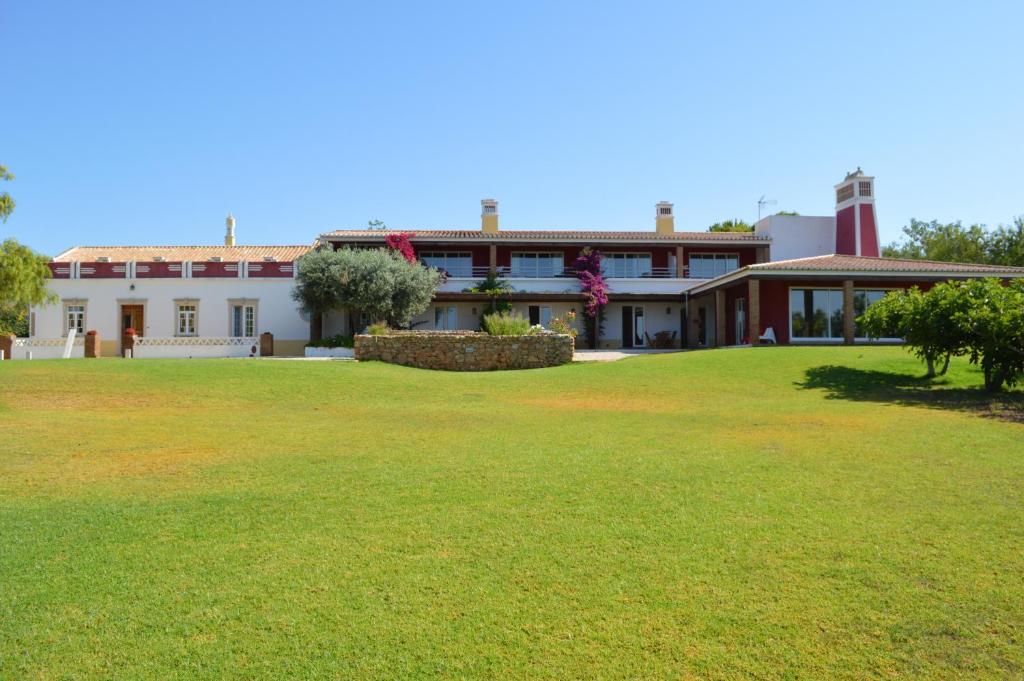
587 266
400 242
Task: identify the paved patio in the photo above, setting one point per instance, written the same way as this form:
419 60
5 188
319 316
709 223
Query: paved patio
613 355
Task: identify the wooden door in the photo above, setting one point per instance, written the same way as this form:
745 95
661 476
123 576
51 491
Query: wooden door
132 317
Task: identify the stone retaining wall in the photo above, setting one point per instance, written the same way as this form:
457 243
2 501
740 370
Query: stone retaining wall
466 351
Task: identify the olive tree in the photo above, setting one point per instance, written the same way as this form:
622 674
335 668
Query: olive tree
377 284
23 283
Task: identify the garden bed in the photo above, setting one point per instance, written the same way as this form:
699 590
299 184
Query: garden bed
466 351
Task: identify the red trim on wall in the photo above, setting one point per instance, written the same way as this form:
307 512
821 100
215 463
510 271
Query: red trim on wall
158 270
102 270
868 232
846 232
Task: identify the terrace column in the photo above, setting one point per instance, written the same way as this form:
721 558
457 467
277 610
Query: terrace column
493 258
680 266
848 317
754 310
692 326
719 318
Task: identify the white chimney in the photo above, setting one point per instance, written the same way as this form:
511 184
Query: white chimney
229 237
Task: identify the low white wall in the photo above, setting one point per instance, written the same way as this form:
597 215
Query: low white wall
195 348
46 348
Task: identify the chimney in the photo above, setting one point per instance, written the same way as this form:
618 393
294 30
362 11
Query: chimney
229 236
664 219
856 222
489 216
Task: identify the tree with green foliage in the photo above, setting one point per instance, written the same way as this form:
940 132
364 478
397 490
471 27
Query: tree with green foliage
374 284
23 277
735 225
1005 244
991 317
6 202
980 318
913 316
953 242
14 321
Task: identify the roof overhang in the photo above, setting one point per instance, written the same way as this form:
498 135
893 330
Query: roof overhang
331 238
811 275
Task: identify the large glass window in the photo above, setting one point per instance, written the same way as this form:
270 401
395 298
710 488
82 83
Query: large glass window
862 299
446 318
537 264
455 264
710 265
626 265
818 313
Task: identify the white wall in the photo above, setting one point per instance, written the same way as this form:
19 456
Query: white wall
569 285
799 236
276 311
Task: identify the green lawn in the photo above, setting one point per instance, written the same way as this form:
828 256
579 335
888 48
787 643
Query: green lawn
789 512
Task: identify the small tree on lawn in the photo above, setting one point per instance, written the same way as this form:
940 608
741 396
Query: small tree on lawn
23 277
990 316
377 284
920 320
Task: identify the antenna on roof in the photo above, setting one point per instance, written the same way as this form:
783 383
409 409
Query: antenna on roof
761 203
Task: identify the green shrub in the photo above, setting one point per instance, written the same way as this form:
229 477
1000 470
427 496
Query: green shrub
508 324
339 341
566 324
378 329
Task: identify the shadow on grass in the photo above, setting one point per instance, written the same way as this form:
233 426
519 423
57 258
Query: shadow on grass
846 383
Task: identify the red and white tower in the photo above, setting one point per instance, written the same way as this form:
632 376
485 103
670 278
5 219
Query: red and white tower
856 221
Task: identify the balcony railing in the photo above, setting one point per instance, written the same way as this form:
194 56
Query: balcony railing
481 271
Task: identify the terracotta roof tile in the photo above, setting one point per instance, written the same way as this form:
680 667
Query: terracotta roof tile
544 235
180 253
856 263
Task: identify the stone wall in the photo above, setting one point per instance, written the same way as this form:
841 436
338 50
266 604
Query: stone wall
466 351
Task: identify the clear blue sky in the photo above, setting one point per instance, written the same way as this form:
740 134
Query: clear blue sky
145 122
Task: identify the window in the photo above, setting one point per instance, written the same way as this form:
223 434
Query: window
665 210
445 318
626 265
844 193
537 264
74 317
243 320
865 188
710 265
187 319
818 313
540 314
455 264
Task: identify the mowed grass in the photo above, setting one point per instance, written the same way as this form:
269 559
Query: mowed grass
768 513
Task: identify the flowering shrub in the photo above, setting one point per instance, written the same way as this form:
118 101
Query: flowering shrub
587 266
400 242
566 324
